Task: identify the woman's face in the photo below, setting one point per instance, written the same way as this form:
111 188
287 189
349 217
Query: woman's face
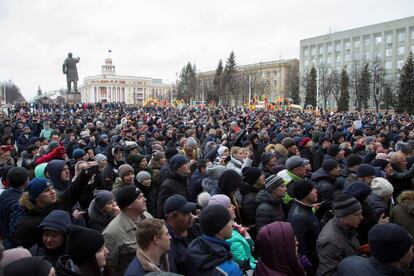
101 256
52 239
239 155
143 164
109 207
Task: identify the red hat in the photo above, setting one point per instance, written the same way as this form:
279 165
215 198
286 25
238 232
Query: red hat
304 141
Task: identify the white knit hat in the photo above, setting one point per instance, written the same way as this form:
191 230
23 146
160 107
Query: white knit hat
381 187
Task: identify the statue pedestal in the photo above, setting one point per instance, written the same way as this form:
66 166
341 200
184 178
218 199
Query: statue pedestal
72 97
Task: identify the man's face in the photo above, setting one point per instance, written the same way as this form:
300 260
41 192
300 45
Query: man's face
129 178
227 230
312 197
336 171
139 204
340 155
164 241
54 137
300 171
280 191
353 220
65 174
52 239
184 169
48 196
184 220
119 155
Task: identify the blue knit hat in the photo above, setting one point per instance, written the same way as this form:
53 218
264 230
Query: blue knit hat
36 187
78 153
57 220
177 161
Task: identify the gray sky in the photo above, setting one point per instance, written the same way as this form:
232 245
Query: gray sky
156 38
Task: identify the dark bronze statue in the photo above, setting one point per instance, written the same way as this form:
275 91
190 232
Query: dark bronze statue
71 72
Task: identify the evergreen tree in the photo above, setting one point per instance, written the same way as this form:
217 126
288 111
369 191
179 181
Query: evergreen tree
365 86
406 89
389 101
310 98
218 90
230 83
343 104
187 83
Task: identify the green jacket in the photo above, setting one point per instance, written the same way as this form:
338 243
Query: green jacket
241 249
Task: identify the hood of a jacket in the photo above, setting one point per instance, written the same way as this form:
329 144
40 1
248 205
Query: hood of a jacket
95 213
265 197
246 188
320 174
54 169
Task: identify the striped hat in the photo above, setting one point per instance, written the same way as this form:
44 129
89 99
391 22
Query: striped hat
345 205
272 182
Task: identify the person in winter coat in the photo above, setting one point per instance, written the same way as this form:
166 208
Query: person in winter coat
154 243
157 161
197 178
54 228
40 199
175 183
324 179
17 179
86 254
403 213
144 183
126 177
29 266
306 149
254 181
214 173
102 210
337 239
115 160
320 151
392 253
237 161
304 222
241 244
380 198
269 200
277 251
210 254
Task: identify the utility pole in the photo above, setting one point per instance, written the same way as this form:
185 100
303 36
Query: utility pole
250 89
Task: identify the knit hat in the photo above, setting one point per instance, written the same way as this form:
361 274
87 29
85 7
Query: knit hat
381 187
36 187
219 199
17 177
14 254
353 160
38 265
381 163
158 155
203 198
100 157
126 195
215 171
304 141
103 136
52 146
178 203
124 170
177 161
358 189
329 164
272 182
78 153
170 152
83 243
294 162
57 220
365 170
302 189
102 197
389 242
191 142
221 149
85 134
251 174
142 176
333 150
213 218
345 205
288 142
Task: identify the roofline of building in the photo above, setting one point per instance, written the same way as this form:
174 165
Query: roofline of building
101 76
358 28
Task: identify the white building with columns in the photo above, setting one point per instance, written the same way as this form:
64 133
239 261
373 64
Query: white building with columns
109 87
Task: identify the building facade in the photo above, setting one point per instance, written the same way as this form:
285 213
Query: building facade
132 90
268 79
389 43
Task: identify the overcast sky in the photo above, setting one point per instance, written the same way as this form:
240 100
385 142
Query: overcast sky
156 38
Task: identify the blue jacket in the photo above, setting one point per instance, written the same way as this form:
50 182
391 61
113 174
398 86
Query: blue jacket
135 268
10 212
196 187
209 256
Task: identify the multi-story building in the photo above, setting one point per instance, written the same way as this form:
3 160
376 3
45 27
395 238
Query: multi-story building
110 87
271 78
389 43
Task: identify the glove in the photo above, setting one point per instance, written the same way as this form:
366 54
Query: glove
305 261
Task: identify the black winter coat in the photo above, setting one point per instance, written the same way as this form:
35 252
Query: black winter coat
269 209
173 184
248 204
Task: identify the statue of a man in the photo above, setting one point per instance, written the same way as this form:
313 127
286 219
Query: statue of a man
69 68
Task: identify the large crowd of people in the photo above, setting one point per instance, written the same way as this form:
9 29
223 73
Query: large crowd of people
110 189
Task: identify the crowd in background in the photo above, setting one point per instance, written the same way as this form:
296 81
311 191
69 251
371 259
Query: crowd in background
109 189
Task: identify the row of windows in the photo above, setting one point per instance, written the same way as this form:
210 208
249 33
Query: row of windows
387 64
357 44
